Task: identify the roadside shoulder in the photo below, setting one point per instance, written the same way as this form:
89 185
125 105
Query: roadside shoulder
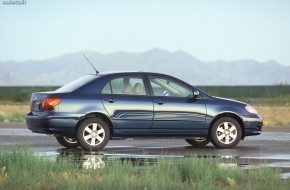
13 125
281 129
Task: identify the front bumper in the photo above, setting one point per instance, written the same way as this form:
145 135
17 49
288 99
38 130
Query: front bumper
52 124
253 128
253 125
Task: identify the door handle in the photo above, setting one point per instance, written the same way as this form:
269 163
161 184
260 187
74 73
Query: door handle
160 102
111 100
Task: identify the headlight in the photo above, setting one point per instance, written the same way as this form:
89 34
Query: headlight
251 109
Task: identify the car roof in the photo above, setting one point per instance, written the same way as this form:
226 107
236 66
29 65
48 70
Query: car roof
126 72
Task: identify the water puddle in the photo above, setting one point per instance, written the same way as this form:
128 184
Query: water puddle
285 176
99 159
94 160
269 157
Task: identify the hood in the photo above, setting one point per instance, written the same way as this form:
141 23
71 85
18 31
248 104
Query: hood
229 100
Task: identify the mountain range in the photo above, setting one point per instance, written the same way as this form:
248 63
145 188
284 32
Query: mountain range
61 70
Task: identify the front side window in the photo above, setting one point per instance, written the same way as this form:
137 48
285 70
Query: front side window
168 87
129 85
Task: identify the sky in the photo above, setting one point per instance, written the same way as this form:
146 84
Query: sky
209 30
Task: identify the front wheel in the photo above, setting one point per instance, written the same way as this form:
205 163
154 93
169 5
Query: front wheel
198 141
226 133
93 134
67 142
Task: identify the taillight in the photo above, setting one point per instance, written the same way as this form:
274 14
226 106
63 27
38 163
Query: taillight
50 103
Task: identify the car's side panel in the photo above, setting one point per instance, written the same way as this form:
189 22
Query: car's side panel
178 116
131 114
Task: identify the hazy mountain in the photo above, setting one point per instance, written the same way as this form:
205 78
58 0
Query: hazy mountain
60 70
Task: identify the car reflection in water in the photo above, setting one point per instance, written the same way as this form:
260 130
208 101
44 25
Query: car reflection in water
94 160
97 159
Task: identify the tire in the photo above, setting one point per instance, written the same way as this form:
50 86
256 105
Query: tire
226 132
198 141
67 142
93 134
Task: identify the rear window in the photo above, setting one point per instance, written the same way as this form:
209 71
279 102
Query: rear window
76 84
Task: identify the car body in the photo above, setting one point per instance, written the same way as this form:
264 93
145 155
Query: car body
97 107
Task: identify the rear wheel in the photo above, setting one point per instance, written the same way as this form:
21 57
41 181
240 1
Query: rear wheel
198 141
93 134
67 142
226 133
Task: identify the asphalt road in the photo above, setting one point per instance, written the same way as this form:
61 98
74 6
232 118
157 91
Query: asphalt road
271 148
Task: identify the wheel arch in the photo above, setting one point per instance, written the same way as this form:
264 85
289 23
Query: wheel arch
231 115
98 115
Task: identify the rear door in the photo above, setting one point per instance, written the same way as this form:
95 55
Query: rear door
127 101
175 109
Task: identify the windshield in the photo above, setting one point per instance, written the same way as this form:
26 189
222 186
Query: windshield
76 84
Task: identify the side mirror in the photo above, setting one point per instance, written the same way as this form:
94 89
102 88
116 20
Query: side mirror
196 94
166 93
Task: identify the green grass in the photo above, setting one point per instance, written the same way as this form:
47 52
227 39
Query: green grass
14 117
21 93
13 112
20 169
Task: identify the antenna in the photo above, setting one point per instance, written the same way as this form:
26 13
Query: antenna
97 72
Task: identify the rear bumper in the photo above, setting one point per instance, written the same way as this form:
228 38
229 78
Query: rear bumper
53 124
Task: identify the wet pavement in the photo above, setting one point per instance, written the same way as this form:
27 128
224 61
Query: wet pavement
271 149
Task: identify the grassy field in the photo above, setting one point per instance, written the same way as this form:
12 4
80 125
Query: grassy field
20 169
274 115
13 112
278 115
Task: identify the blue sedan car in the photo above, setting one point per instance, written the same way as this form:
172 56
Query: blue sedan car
95 108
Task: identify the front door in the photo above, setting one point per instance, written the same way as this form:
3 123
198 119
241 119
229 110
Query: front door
129 105
175 109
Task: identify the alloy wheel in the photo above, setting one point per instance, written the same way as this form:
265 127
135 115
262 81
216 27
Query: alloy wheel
226 132
94 134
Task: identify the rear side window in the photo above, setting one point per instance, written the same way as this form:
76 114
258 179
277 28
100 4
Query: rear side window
129 85
107 89
76 84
